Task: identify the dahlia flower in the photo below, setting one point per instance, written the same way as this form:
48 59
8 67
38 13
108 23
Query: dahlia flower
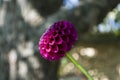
57 40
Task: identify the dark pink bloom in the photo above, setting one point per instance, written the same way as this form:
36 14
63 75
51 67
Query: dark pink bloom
57 40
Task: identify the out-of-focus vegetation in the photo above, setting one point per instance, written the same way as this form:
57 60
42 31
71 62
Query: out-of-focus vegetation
22 22
111 22
98 51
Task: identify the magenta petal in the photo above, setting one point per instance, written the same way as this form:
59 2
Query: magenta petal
52 41
65 38
63 46
54 48
67 31
48 48
45 55
58 40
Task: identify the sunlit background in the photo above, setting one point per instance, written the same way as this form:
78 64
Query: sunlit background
22 22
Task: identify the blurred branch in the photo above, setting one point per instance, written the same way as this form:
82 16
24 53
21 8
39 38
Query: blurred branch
101 38
46 7
86 15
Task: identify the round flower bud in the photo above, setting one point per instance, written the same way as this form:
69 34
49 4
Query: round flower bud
57 40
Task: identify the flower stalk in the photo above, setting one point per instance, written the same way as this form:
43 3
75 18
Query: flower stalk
69 56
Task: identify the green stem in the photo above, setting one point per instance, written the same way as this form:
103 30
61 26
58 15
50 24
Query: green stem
79 66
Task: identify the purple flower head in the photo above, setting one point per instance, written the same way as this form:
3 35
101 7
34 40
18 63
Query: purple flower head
57 40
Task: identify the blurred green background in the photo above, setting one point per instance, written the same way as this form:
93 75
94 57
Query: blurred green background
22 22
